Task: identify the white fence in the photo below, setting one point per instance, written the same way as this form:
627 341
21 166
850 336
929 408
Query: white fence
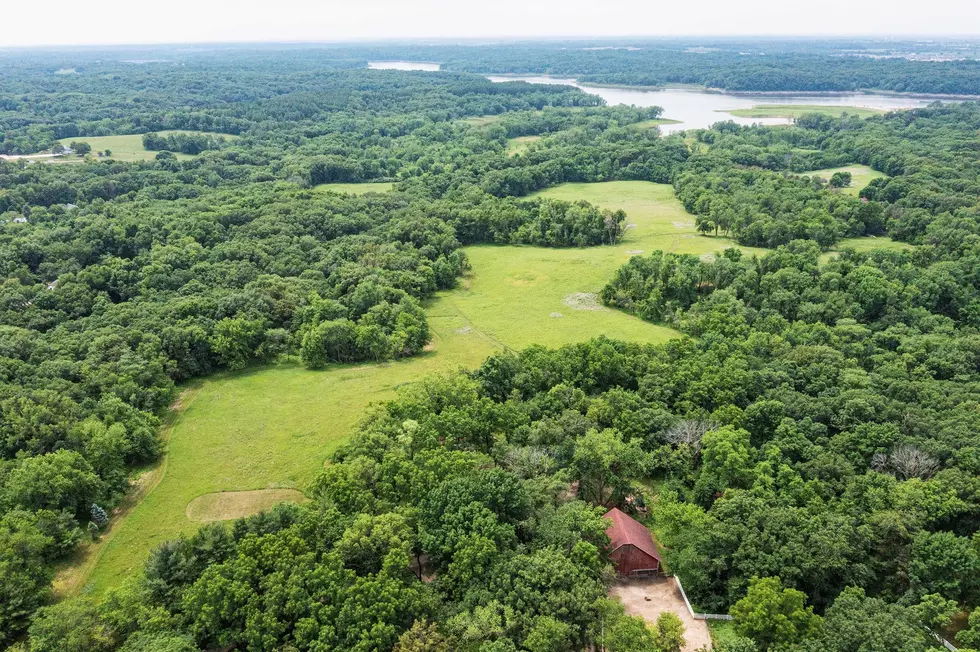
942 641
699 616
695 615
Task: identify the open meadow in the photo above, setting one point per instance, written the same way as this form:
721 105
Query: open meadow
861 176
355 188
271 428
796 110
128 148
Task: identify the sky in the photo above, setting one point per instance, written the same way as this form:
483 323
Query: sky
72 22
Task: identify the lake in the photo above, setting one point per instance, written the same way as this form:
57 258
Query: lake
403 65
693 108
697 109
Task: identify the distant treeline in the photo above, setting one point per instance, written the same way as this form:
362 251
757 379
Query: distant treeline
733 66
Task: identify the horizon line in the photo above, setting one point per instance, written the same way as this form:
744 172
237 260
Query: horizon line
490 40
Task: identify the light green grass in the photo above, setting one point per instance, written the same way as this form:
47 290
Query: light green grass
273 427
722 631
356 188
650 124
869 243
796 110
520 144
861 176
481 120
127 148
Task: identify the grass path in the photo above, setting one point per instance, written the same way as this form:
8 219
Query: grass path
272 427
71 579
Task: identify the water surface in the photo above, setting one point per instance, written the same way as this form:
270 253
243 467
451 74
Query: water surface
697 109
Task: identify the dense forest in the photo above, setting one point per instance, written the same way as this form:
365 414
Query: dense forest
808 447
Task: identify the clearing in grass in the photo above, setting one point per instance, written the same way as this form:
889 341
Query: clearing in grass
356 188
520 144
650 124
861 176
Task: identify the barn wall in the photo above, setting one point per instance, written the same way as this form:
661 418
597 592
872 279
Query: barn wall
630 558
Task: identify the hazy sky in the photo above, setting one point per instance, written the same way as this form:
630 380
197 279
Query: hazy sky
45 22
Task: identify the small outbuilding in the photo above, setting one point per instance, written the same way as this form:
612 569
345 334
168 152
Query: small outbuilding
631 548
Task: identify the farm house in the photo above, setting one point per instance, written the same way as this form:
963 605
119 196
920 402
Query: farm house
631 548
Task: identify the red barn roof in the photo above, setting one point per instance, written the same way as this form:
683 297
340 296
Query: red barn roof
627 531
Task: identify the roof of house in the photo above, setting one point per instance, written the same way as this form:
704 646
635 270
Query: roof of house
627 531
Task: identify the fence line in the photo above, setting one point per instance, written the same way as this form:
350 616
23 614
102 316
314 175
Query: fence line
695 615
699 616
942 641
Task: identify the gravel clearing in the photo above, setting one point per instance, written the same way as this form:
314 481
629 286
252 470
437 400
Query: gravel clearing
650 598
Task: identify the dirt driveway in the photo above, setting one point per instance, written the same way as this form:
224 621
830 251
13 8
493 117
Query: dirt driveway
663 596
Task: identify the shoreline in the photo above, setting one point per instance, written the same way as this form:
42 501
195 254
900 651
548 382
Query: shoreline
741 93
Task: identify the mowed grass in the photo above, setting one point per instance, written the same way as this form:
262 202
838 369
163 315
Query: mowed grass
796 110
227 505
481 120
520 144
868 243
273 427
355 188
861 176
266 428
650 124
128 148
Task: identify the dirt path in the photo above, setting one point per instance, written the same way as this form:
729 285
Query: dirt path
650 598
71 579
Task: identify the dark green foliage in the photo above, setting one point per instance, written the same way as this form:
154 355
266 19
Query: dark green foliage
820 426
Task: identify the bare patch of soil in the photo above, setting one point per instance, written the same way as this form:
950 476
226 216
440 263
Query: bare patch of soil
650 598
227 505
582 301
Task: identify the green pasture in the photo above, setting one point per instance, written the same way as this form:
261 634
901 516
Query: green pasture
356 188
796 110
128 148
650 124
861 176
520 144
272 427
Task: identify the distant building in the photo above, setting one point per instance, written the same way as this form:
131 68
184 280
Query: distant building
631 548
20 220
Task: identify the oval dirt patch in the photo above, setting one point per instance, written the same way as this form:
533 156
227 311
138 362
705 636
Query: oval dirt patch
227 505
582 301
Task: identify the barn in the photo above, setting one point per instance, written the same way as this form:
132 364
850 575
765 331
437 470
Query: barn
631 547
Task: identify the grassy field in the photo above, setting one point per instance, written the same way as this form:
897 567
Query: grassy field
355 188
520 144
650 124
861 176
127 148
228 505
272 427
866 244
480 120
796 110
